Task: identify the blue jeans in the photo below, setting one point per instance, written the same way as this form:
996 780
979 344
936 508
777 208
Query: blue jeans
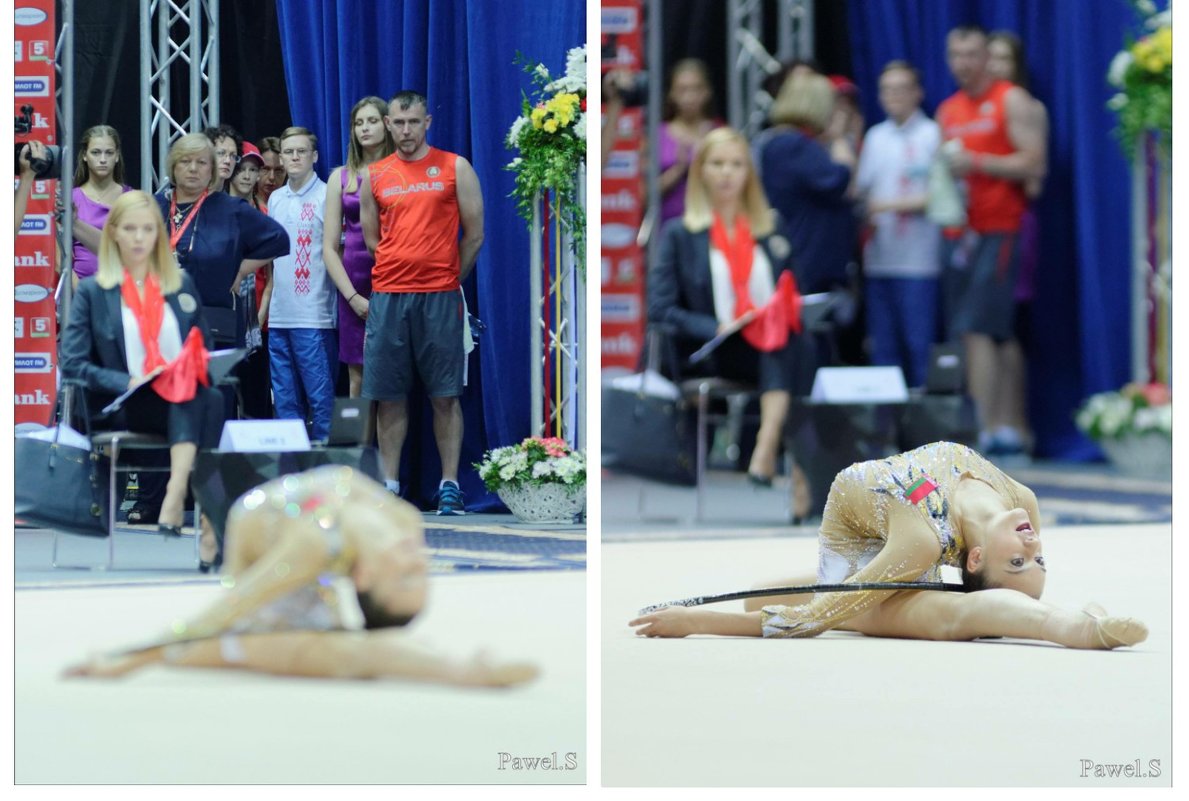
902 324
302 362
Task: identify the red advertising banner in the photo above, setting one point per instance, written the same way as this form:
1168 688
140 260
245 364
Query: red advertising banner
35 251
623 311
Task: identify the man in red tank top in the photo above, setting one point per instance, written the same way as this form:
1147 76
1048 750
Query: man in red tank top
994 147
413 205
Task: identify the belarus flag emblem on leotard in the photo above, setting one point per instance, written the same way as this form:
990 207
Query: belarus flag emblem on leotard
919 489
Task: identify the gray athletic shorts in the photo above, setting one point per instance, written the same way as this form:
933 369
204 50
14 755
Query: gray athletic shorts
980 284
409 331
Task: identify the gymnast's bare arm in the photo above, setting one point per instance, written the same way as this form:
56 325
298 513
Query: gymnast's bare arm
336 655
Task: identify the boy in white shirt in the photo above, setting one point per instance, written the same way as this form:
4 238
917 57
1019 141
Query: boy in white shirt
900 260
301 344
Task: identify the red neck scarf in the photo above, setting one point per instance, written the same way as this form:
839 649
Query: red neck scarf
769 330
739 251
149 313
179 380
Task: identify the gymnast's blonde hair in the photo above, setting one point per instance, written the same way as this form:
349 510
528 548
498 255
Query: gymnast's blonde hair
699 214
161 262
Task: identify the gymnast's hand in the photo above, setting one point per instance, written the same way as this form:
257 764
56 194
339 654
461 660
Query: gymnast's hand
672 621
113 666
482 671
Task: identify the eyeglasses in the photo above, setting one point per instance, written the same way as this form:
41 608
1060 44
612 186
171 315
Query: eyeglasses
300 152
226 154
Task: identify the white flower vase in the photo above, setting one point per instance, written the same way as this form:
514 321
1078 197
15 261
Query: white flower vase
544 503
1141 455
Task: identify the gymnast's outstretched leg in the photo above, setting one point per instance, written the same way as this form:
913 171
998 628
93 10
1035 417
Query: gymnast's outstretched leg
995 613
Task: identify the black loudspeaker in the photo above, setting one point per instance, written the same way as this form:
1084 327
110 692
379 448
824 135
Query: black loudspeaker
827 438
947 371
930 418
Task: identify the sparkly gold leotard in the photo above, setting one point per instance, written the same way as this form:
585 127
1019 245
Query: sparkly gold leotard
325 604
855 525
329 603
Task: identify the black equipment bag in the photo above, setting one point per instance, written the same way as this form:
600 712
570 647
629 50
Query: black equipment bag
60 486
650 435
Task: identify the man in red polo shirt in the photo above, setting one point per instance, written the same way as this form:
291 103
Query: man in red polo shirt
413 206
993 146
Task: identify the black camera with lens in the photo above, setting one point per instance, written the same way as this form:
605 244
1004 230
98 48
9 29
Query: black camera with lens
631 87
48 166
633 90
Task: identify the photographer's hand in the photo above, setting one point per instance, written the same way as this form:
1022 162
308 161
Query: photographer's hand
32 150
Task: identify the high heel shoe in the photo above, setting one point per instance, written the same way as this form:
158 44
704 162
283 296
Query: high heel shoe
165 529
141 513
215 563
756 480
800 498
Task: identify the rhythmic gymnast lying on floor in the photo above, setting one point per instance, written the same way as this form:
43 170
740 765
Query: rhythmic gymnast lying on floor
321 568
899 520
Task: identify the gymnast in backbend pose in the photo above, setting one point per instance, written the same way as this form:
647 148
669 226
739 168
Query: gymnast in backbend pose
321 567
901 519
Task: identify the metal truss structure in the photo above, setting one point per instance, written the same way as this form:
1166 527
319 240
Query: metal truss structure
558 339
64 103
176 36
749 61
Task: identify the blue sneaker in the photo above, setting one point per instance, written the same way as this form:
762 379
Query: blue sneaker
450 499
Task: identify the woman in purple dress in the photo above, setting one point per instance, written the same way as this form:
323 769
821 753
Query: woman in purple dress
98 183
347 261
689 116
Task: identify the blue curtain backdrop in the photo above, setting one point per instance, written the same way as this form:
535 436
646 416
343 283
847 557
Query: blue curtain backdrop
1082 313
460 54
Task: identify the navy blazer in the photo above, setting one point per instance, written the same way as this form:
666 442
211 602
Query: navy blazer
92 347
680 293
226 231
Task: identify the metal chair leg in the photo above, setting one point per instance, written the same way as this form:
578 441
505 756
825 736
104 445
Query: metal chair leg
197 533
700 467
111 503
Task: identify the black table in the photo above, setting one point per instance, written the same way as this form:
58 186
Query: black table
221 477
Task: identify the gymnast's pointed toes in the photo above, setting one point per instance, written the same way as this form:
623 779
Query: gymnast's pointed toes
1121 632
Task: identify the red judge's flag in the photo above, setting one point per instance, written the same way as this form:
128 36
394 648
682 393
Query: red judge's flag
769 330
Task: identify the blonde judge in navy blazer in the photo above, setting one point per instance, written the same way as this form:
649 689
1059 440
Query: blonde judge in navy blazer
722 182
94 345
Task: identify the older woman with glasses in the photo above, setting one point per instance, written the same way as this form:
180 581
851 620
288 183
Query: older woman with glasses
218 239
